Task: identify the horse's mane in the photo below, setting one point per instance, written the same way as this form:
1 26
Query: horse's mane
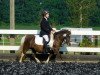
59 33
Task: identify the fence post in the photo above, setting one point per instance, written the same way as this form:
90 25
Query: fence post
96 41
3 42
12 21
12 42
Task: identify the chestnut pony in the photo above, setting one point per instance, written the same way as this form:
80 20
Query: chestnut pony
56 41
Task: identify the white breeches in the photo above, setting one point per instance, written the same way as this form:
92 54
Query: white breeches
46 37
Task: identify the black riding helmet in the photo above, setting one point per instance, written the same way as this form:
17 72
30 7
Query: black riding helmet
44 13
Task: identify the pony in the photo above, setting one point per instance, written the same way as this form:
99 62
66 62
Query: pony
56 40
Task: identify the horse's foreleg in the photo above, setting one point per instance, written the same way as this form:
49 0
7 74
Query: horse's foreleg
37 60
21 58
58 55
48 58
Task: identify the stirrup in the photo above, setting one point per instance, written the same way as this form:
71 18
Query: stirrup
47 49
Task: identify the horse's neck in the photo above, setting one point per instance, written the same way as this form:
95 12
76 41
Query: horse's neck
51 36
60 38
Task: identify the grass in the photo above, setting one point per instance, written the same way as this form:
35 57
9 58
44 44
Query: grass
26 26
96 28
32 26
7 40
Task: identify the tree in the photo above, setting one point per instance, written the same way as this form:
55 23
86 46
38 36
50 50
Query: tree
12 14
86 42
80 11
0 9
59 11
4 9
94 18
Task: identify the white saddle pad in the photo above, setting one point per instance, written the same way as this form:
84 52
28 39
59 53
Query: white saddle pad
38 40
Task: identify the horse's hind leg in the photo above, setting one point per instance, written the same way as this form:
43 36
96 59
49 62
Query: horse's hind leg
37 60
34 55
22 56
48 58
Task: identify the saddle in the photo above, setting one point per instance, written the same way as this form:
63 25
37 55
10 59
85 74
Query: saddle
40 41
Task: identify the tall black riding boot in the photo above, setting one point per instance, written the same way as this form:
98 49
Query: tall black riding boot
46 47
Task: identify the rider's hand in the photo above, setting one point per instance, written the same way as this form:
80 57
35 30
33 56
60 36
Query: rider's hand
52 31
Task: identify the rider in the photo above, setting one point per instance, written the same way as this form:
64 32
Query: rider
45 28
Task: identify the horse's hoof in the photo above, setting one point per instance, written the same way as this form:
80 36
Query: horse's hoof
20 61
46 62
38 62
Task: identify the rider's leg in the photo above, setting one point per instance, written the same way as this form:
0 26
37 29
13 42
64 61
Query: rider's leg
45 41
46 38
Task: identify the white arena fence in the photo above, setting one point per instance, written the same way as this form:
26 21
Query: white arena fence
64 48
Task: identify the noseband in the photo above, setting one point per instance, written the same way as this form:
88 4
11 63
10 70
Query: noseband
64 41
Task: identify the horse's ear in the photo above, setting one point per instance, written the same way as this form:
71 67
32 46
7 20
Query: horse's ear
54 29
69 32
64 35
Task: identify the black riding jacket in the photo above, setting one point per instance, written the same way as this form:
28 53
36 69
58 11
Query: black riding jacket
45 27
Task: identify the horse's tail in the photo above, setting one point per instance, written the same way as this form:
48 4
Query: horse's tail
22 43
20 50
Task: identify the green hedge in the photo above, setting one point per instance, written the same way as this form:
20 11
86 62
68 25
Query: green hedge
62 12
